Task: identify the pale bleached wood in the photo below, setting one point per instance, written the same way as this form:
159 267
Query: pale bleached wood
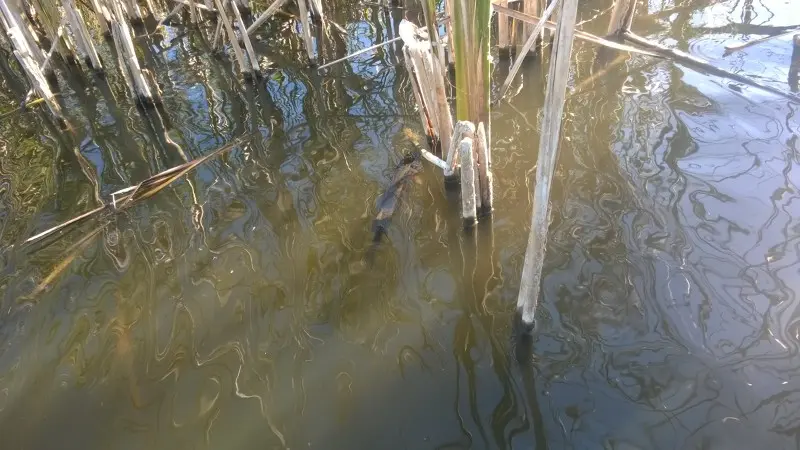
31 67
124 42
423 113
462 129
82 37
530 282
483 170
468 208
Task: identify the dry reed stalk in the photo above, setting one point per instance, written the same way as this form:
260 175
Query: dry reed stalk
271 10
530 282
251 54
237 50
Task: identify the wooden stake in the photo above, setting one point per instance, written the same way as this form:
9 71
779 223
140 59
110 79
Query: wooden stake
530 282
468 209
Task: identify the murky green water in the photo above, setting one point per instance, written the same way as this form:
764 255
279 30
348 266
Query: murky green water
234 311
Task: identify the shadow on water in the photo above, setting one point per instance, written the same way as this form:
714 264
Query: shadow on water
234 309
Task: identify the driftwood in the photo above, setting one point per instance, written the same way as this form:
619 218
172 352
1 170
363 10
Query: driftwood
127 197
530 282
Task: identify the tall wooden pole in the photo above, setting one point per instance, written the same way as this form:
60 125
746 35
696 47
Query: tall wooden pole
530 283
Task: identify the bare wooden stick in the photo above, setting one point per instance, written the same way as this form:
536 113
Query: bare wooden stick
530 282
271 9
248 46
468 209
685 58
423 112
526 48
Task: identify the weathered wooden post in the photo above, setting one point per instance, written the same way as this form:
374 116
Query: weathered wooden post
532 7
530 282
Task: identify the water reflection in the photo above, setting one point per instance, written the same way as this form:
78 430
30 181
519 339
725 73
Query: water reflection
234 310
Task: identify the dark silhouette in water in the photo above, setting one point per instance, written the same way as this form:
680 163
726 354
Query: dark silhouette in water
387 203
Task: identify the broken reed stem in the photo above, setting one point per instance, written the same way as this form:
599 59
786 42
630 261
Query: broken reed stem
271 10
468 208
530 282
82 37
307 39
251 54
237 50
483 169
525 48
128 59
462 129
29 64
502 30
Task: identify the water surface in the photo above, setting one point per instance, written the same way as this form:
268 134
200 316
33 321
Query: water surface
234 310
